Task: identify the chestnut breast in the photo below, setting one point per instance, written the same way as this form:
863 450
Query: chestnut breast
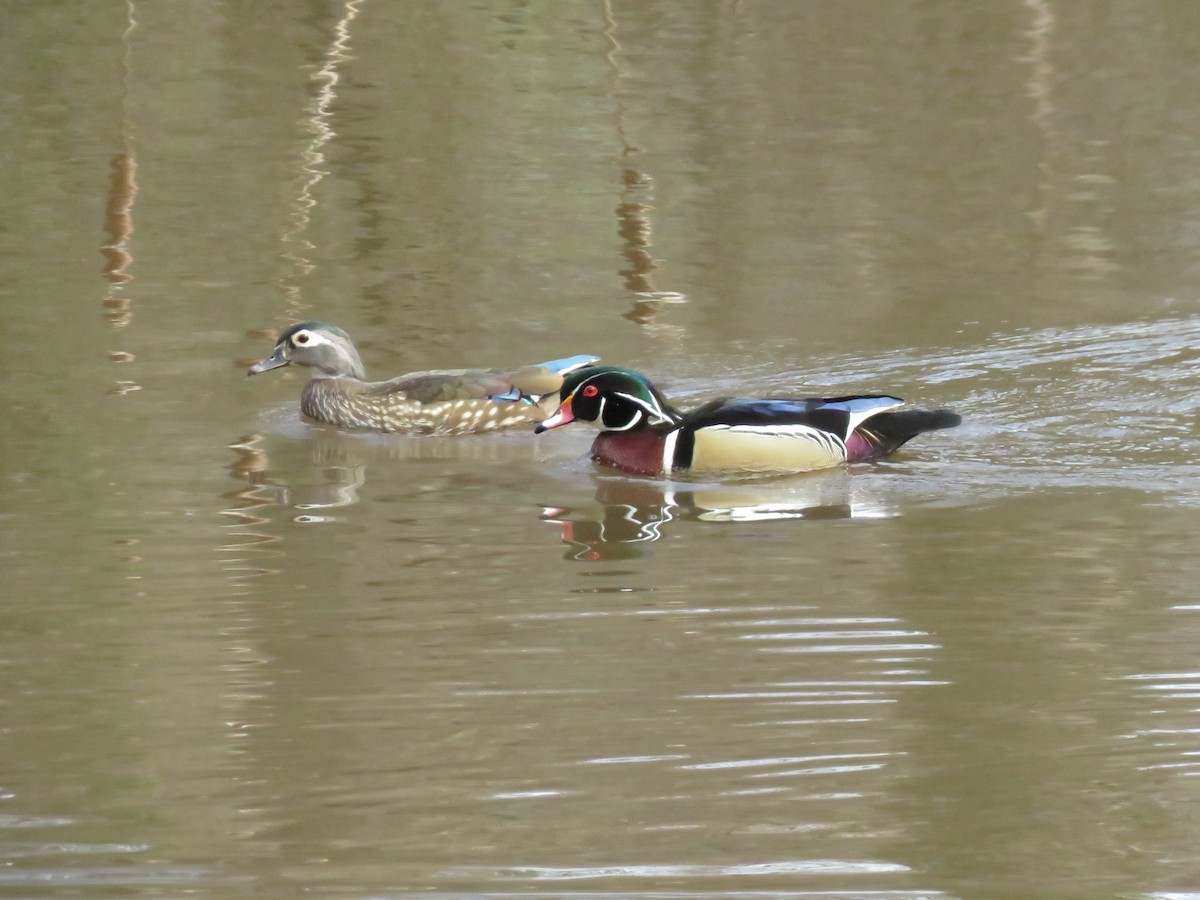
639 452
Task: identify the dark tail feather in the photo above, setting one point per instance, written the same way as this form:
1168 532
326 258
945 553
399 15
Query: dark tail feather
890 430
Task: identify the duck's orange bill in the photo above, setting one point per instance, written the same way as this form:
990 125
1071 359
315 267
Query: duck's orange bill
561 416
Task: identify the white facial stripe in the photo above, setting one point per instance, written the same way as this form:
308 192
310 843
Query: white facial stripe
585 381
637 417
652 408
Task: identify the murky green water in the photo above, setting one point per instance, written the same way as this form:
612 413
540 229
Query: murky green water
243 656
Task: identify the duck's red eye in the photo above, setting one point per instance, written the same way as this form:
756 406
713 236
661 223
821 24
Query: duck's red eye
590 390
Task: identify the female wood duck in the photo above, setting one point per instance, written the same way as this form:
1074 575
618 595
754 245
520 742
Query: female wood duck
459 401
644 434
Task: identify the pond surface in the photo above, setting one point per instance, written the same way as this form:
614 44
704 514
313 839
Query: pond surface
247 656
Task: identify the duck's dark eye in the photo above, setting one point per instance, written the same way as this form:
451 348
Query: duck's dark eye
591 390
301 338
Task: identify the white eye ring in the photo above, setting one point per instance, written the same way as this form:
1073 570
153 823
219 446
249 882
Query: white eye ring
301 337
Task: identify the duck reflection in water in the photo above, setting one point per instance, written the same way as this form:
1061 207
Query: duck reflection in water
312 467
340 477
630 514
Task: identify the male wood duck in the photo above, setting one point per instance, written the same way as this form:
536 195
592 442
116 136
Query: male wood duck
458 401
644 434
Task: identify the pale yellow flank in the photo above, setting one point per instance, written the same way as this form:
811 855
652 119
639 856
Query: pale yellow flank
725 448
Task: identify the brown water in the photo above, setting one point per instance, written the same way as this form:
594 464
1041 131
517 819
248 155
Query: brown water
243 656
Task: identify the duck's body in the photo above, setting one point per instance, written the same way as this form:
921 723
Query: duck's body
645 435
456 401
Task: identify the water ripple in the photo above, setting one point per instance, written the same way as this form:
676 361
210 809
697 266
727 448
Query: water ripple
1171 743
784 867
1099 405
784 761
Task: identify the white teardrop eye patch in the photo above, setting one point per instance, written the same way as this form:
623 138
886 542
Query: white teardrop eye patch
308 339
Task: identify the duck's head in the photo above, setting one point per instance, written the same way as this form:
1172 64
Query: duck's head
323 347
617 399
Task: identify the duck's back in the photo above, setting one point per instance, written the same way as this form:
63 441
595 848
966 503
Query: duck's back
446 384
392 407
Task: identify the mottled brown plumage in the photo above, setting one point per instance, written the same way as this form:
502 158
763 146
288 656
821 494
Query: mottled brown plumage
455 401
